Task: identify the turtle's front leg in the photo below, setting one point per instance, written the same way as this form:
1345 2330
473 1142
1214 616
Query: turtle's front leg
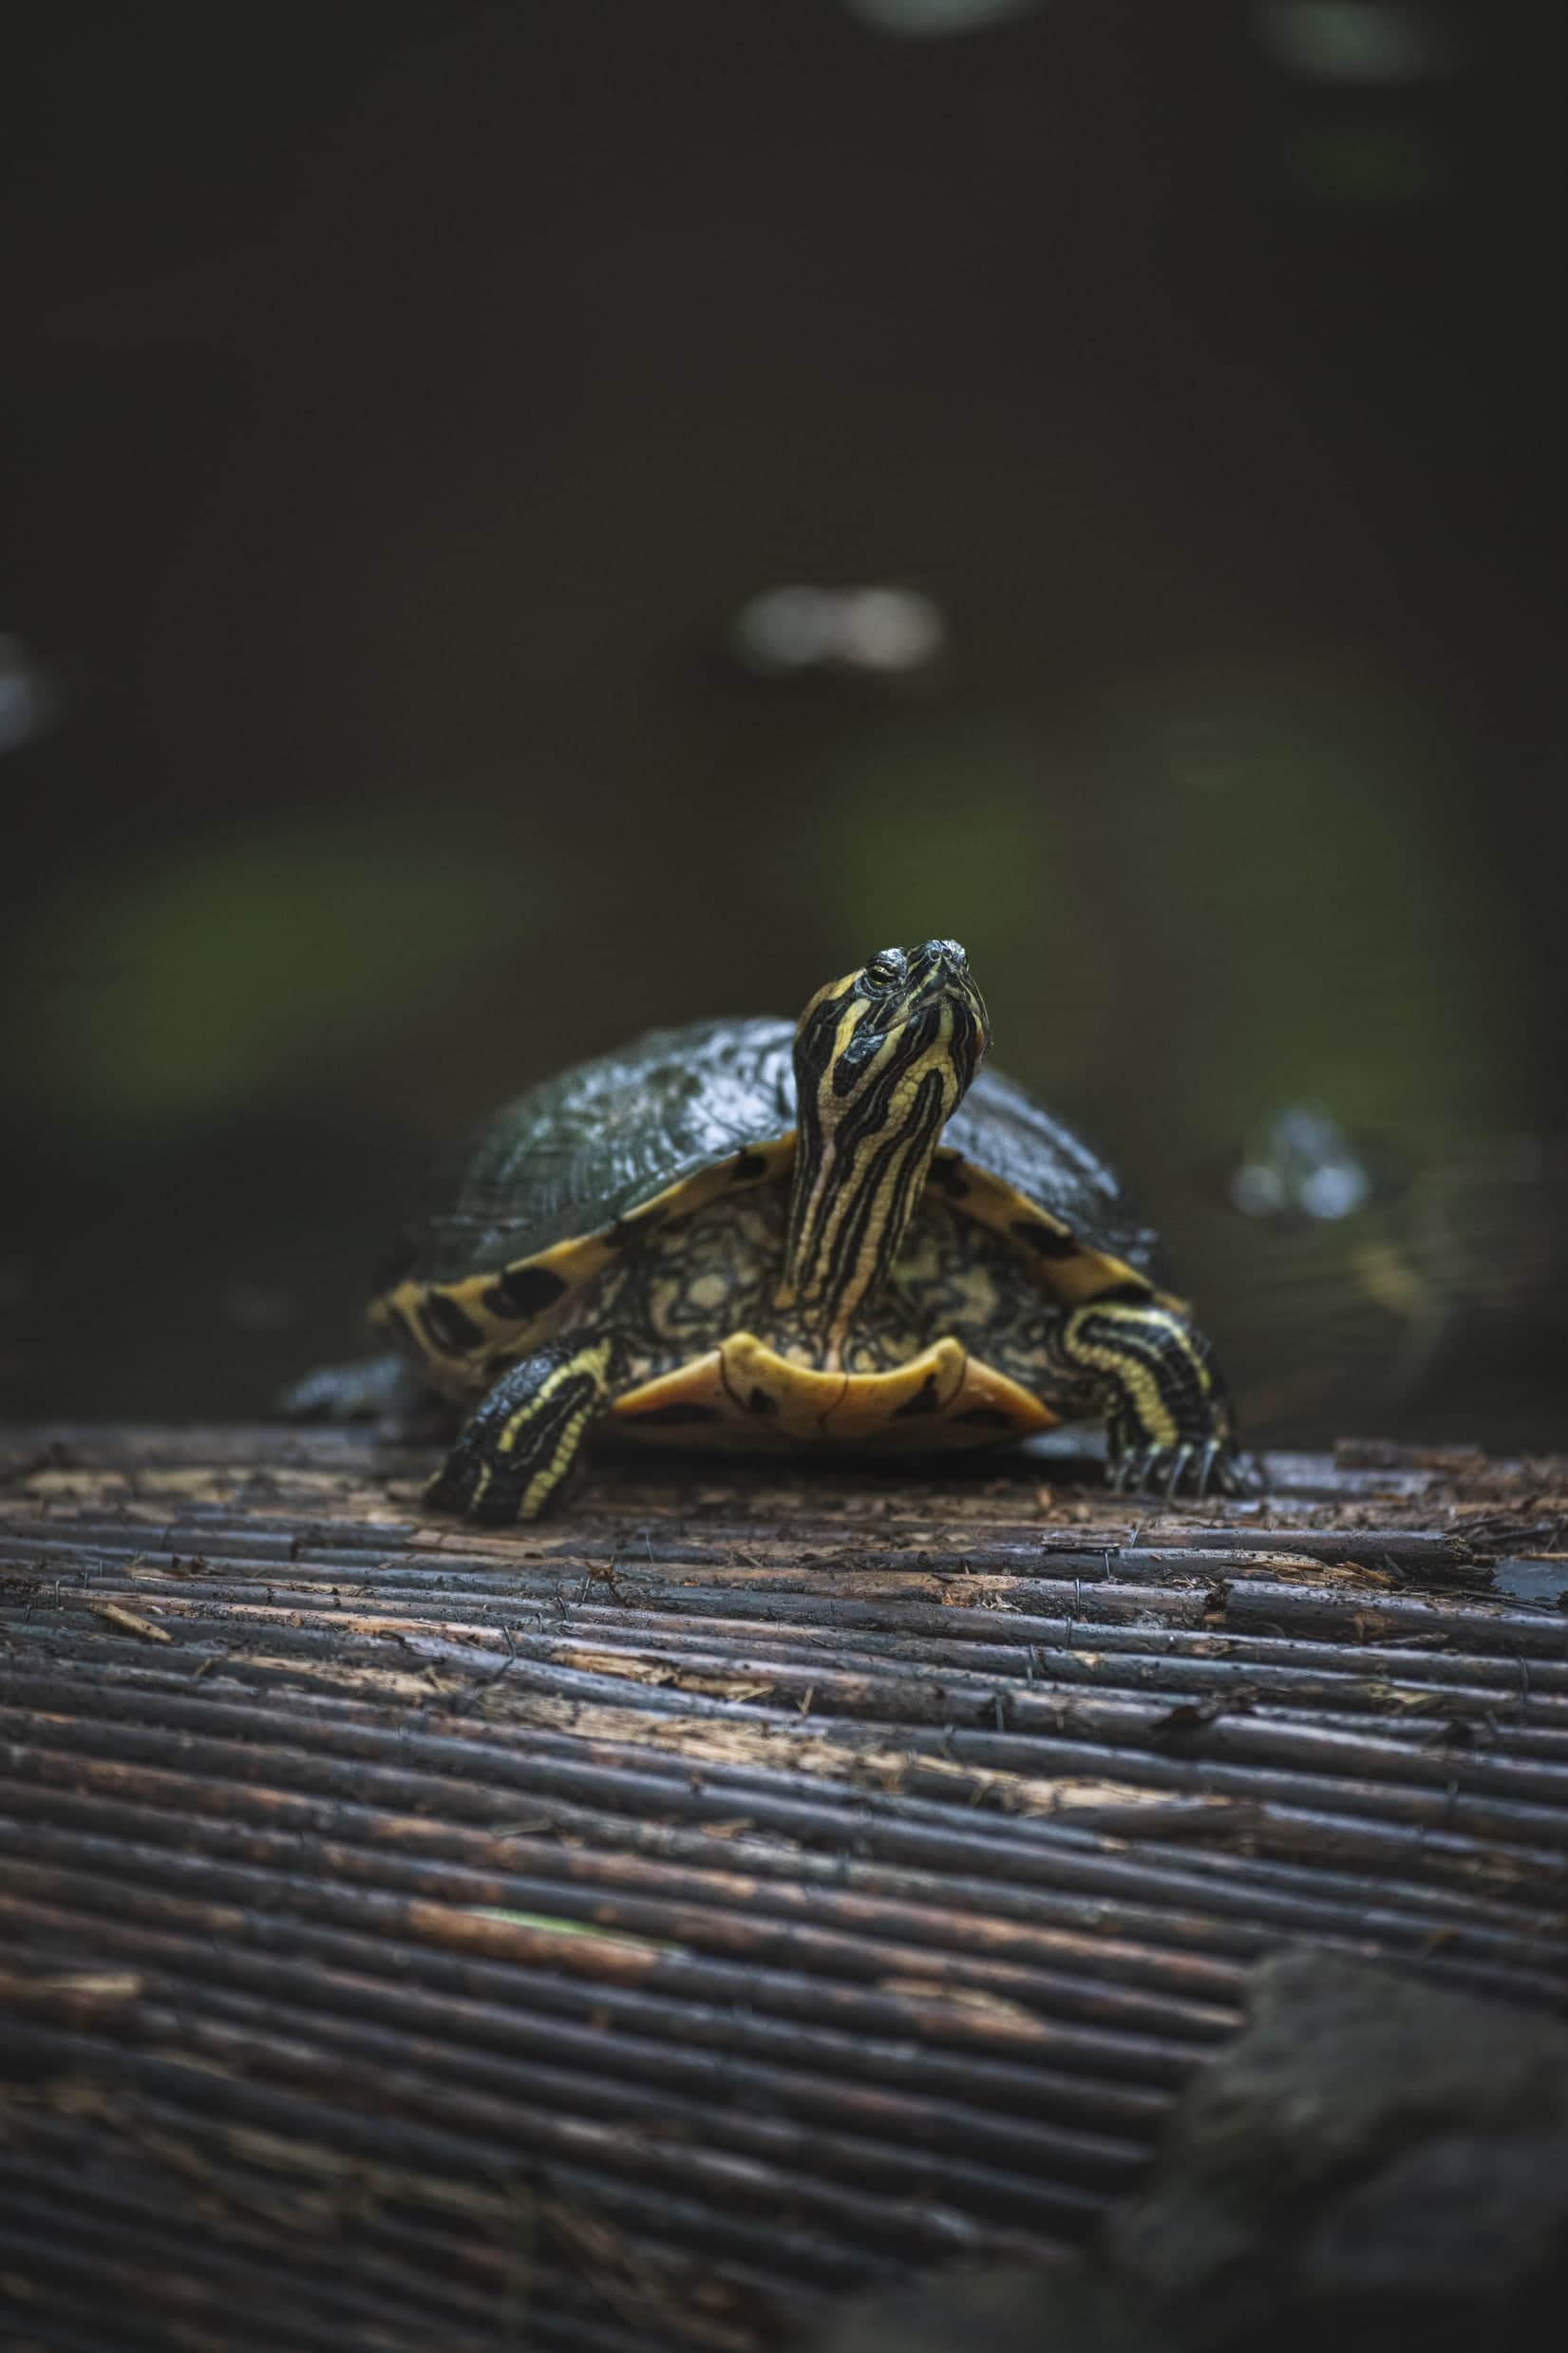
1168 1424
518 1445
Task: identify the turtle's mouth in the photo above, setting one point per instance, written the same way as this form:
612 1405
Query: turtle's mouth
939 976
946 1001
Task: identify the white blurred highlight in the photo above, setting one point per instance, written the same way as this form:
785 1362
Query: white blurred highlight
876 631
929 20
28 698
1356 40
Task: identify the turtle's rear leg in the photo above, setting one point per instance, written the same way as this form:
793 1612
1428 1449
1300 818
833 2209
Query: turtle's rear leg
384 1388
519 1445
1168 1424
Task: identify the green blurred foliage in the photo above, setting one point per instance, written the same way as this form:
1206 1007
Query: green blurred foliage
249 969
1296 905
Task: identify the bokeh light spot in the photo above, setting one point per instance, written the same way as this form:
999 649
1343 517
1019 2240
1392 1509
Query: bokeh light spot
1356 40
879 632
929 20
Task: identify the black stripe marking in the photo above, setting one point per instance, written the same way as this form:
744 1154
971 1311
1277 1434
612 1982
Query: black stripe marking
401 1329
1154 1343
845 1230
626 1229
905 1145
670 1416
925 1400
524 1291
1050 1241
449 1332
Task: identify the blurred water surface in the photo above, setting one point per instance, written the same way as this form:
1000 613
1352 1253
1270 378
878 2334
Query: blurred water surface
415 420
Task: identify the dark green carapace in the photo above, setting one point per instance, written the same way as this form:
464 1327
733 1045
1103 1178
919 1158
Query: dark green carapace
840 1233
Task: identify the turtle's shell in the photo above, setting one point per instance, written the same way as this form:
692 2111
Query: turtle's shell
553 1184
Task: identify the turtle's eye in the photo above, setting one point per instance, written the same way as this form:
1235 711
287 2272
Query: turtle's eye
887 970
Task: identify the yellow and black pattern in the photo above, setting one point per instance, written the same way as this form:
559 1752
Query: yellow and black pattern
1166 1412
698 1278
963 1345
959 1348
1070 1268
521 1442
882 1058
461 1332
849 1280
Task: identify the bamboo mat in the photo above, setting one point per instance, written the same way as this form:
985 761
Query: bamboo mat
637 1930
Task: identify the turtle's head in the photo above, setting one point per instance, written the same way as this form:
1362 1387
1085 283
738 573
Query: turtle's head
907 1030
882 1058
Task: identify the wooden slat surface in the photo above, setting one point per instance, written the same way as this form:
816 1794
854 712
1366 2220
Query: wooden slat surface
632 1931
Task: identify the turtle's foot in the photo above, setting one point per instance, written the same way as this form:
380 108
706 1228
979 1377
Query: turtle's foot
372 1389
1194 1467
519 1448
1168 1426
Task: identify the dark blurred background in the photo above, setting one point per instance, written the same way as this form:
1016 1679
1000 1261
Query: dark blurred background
522 520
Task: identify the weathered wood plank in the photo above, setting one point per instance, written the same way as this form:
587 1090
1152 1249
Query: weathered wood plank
755 1884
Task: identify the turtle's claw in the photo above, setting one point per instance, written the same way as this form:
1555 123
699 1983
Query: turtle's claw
1182 1458
1192 1468
1236 1474
1137 1469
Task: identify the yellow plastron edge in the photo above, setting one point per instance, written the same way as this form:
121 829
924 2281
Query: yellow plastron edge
745 1395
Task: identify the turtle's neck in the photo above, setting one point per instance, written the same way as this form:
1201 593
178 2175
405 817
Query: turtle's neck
862 1157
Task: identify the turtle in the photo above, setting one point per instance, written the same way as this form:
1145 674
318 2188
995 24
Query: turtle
838 1233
